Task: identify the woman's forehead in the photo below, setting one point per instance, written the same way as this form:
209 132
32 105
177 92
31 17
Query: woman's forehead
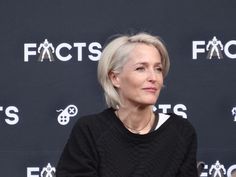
143 53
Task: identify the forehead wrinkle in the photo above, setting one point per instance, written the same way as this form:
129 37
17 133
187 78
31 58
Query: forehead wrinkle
146 63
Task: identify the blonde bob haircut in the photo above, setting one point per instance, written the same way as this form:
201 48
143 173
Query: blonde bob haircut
115 55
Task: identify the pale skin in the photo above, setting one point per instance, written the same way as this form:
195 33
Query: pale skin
139 84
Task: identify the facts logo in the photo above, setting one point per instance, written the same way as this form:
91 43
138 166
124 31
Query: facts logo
214 49
10 114
217 169
47 51
47 171
178 109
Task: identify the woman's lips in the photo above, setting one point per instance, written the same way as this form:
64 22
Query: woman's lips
150 89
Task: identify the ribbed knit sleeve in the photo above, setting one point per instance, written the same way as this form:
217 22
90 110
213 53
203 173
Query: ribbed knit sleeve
189 168
79 157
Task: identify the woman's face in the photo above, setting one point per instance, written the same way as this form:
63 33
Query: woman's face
140 81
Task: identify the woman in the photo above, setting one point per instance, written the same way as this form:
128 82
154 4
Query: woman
128 139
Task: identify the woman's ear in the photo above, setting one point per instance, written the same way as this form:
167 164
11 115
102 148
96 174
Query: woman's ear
114 77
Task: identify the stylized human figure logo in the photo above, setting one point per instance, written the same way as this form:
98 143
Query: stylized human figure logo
234 113
217 169
46 49
214 46
48 171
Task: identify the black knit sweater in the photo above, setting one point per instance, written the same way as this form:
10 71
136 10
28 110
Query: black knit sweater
100 146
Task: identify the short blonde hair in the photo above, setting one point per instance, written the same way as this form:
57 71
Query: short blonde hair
115 55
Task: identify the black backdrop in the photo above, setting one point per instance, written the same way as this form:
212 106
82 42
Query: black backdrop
33 93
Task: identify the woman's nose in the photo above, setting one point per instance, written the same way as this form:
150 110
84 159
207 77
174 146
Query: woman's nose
152 75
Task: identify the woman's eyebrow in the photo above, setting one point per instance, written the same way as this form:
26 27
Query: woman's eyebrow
146 63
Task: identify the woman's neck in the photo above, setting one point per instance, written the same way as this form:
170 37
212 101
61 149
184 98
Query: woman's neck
136 119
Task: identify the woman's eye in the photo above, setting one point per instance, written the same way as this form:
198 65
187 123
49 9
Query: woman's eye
159 69
140 69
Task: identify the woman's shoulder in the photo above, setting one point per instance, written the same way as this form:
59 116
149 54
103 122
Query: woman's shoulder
181 125
96 122
95 117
